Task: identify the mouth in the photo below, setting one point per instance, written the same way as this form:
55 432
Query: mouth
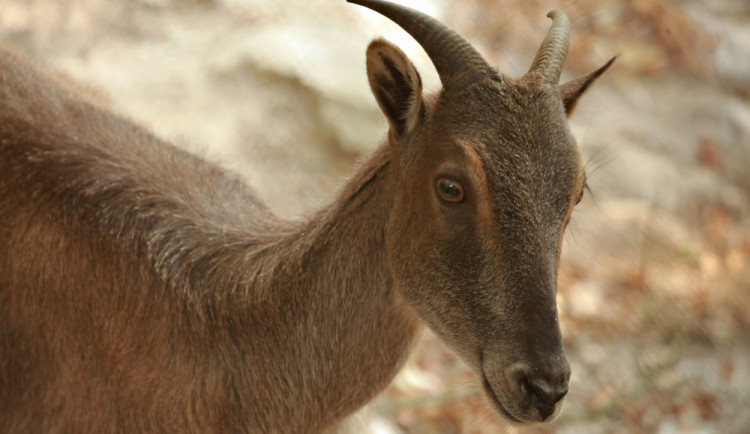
496 402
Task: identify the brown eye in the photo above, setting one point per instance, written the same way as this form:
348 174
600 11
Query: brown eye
450 191
580 198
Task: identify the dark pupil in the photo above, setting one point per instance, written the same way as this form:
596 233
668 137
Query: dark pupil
450 189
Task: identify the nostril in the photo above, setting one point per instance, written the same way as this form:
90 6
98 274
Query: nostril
560 395
540 389
545 396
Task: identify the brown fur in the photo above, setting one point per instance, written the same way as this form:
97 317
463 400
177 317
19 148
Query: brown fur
143 289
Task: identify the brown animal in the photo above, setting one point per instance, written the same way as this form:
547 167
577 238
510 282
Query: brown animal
143 289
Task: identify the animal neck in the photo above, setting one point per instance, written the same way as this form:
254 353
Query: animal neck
326 308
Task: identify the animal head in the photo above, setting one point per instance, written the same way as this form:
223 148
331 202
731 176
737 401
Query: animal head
488 174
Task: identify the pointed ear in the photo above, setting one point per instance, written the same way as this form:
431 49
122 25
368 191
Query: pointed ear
573 89
396 85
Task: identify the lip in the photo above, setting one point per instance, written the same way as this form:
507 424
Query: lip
496 402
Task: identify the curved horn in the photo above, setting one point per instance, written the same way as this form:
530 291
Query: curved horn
550 58
458 64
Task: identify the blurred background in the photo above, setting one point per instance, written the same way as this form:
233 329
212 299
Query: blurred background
654 288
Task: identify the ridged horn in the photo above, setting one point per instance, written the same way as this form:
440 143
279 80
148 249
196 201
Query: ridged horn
458 64
550 58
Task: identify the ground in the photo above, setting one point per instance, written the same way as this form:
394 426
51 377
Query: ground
654 287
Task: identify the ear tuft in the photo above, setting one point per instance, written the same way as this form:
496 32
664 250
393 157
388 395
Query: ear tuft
396 85
573 89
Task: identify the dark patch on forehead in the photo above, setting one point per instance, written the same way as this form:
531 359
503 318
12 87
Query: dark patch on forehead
513 110
521 126
531 159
